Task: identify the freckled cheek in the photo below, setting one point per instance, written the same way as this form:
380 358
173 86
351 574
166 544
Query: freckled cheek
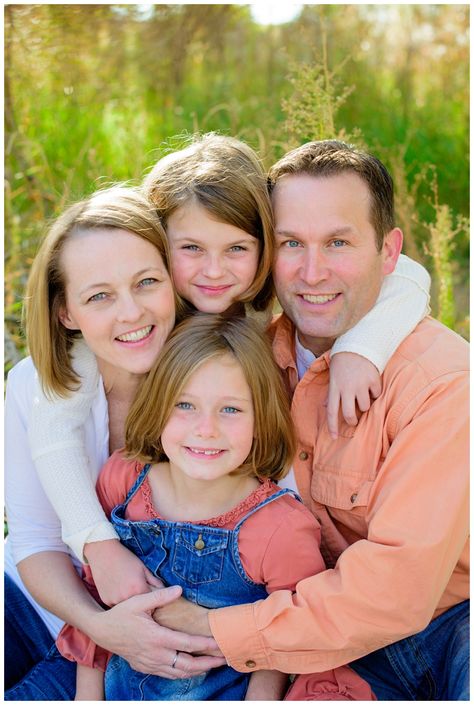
172 435
182 272
245 271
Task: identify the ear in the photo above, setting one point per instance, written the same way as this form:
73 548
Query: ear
66 319
392 246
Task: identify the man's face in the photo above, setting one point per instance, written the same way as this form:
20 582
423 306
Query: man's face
327 270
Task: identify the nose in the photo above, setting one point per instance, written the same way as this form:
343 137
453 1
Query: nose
129 309
213 267
206 426
314 267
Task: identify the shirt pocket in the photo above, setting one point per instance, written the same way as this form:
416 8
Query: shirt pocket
340 490
343 474
199 555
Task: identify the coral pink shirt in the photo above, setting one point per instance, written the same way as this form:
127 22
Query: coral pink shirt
278 545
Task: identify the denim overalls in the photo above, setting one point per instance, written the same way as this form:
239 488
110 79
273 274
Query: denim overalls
205 561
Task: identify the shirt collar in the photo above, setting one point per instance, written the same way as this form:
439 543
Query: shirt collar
304 357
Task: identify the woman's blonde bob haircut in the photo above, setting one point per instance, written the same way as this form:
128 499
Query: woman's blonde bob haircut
49 342
224 176
193 342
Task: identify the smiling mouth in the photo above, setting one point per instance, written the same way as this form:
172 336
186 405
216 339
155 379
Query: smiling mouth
135 335
318 298
205 452
214 289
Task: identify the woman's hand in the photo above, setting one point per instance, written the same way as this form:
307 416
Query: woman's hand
129 630
118 573
352 378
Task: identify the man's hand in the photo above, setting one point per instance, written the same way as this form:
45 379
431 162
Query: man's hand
182 615
118 573
128 630
352 378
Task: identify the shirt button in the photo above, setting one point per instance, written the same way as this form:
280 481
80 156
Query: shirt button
250 663
303 455
353 497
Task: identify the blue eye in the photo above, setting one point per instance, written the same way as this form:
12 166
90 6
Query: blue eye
339 243
230 410
237 248
148 281
184 405
97 297
292 243
191 248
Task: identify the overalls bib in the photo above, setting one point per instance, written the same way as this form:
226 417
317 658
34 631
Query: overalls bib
205 561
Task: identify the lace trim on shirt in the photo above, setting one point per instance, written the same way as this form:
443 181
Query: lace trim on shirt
266 489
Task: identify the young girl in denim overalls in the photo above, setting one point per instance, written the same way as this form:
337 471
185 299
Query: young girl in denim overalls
212 424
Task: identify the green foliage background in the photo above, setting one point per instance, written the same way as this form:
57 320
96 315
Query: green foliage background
95 93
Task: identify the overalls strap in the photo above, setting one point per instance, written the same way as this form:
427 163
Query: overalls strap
268 500
136 485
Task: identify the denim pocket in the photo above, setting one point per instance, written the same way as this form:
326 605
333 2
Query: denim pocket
199 555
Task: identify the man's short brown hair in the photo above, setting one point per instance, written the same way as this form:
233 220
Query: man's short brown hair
327 158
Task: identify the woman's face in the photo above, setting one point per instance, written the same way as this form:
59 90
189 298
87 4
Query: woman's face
213 263
120 296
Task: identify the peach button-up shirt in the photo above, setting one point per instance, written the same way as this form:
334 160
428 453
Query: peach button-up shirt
391 496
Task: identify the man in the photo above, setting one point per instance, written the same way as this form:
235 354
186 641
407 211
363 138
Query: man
391 494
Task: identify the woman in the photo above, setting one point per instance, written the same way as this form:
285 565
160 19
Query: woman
101 276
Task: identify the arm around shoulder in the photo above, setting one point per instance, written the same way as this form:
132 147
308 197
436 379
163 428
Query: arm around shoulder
390 584
402 303
58 448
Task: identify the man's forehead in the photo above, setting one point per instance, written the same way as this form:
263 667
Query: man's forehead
345 195
306 181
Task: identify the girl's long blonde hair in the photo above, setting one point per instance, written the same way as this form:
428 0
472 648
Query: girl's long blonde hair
196 340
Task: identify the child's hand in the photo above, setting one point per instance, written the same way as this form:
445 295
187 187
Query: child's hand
352 378
267 685
118 574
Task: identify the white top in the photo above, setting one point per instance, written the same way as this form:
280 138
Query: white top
33 524
404 300
62 428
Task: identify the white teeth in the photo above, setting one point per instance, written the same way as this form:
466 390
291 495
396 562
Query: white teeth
204 452
321 299
135 335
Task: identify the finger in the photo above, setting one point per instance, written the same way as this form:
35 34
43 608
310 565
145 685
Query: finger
375 388
156 598
153 580
332 412
348 409
363 400
187 642
188 665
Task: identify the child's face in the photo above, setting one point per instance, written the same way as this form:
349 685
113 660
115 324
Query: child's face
213 263
210 431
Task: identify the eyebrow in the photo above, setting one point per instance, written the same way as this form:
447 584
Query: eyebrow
147 270
221 399
343 230
195 241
